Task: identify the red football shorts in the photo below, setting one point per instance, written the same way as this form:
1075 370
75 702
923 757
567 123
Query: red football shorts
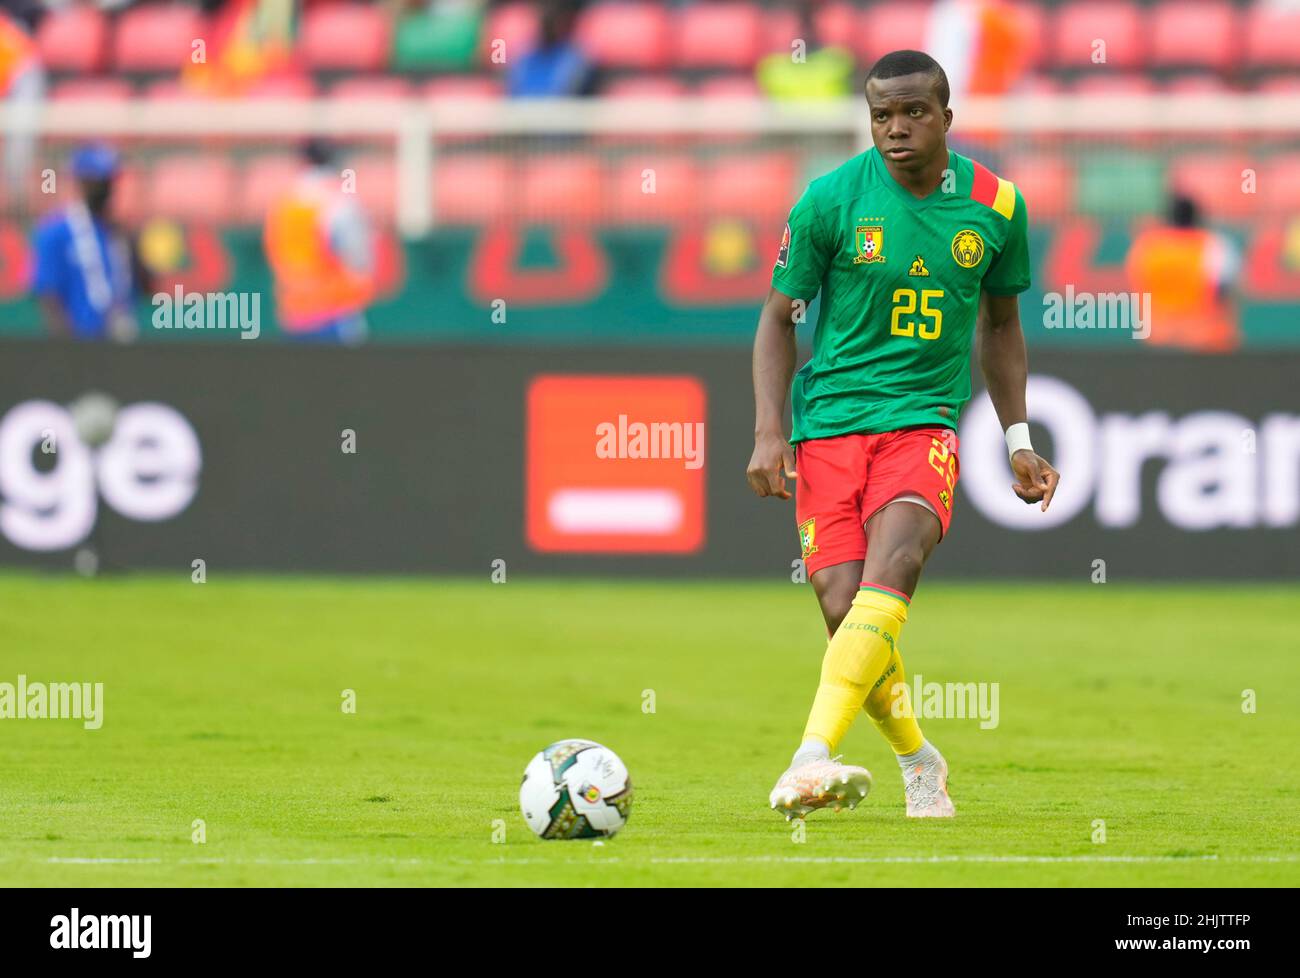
844 481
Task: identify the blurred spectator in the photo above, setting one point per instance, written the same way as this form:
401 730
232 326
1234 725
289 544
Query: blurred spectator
87 277
250 40
983 46
22 86
557 66
1188 271
319 246
437 34
813 72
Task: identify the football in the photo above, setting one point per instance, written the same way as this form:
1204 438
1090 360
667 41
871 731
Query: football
575 789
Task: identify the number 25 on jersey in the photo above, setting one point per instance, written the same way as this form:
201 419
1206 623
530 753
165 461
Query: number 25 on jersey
905 304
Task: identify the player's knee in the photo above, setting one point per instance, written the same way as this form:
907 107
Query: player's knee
903 564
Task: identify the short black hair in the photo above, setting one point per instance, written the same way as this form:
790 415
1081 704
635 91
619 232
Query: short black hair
1184 211
906 62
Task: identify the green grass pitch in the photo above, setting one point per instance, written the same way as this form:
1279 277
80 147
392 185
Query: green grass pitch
223 703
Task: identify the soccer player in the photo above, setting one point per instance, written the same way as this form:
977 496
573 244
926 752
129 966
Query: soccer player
914 248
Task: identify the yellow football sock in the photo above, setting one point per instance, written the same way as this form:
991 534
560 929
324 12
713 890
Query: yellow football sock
890 706
857 660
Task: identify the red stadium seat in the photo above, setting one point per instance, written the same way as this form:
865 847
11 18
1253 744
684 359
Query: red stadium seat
371 87
1214 180
73 39
157 38
1194 33
1033 18
886 27
1046 181
458 87
473 188
192 188
674 185
755 186
729 86
1279 184
1118 24
345 36
626 35
1272 36
1103 82
266 179
1200 83
98 89
283 87
376 185
514 26
646 86
729 34
837 25
563 188
1287 84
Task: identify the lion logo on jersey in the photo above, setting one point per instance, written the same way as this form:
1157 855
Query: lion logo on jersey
967 248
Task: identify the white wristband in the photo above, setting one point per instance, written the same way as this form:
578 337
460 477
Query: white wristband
1018 438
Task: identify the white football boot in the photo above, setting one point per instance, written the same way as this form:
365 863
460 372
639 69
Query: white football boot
925 785
820 783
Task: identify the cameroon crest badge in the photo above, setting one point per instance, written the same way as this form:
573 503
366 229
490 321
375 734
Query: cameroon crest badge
870 242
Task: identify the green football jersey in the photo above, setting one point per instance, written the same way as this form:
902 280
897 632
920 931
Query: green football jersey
900 280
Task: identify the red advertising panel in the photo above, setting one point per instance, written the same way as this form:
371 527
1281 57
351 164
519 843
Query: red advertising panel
615 464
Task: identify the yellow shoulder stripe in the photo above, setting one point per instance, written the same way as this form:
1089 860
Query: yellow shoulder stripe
1005 201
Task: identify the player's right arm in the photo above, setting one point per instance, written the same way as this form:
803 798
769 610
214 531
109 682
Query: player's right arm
796 279
774 359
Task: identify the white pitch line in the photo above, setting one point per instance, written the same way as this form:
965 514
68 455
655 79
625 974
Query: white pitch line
686 860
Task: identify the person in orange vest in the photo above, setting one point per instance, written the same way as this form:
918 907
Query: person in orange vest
22 87
318 242
1189 271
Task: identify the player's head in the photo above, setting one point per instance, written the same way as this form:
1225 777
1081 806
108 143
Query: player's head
907 95
95 166
1184 212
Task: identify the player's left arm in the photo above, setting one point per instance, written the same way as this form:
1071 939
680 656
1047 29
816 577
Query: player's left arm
1003 359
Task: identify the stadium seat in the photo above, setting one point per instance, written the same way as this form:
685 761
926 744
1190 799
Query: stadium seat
92 88
1279 184
472 188
728 86
1046 181
376 185
265 179
645 86
756 186
73 39
344 36
360 87
561 188
283 87
462 87
674 182
1080 23
626 35
1214 180
191 187
1199 83
885 27
1105 82
156 38
837 25
1287 84
1194 34
1033 18
515 26
1272 36
729 34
